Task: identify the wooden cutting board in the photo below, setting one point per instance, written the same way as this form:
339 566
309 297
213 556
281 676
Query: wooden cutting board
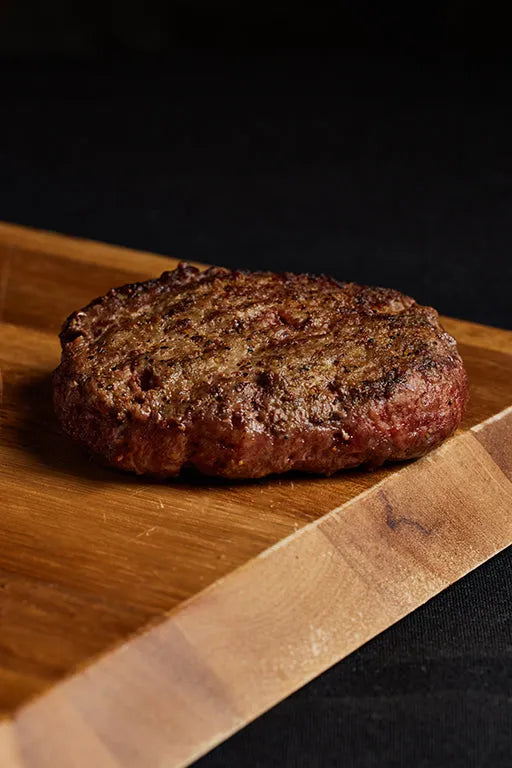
143 623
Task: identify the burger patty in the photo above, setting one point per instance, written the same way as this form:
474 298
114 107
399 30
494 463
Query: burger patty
242 374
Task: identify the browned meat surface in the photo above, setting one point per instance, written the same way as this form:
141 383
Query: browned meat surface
244 374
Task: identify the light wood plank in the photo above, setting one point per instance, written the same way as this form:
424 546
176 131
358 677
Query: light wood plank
237 648
149 621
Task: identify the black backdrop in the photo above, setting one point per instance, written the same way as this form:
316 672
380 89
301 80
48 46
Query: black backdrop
386 160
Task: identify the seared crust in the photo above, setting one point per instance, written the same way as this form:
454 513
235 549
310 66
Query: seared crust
245 374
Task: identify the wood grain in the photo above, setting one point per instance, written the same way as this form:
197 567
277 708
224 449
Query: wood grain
149 621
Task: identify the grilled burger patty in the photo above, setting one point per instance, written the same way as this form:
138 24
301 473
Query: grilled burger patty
243 374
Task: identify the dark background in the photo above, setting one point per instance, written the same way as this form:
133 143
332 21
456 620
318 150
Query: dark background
370 142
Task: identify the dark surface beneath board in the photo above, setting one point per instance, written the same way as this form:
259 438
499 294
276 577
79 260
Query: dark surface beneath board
434 690
384 169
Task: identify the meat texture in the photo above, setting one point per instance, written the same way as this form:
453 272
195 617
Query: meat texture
243 374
